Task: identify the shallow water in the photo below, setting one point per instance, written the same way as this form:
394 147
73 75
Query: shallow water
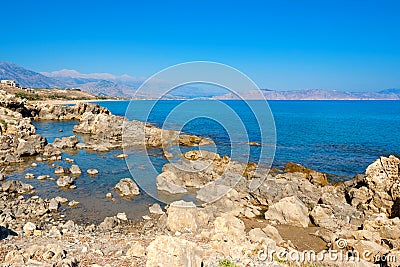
338 137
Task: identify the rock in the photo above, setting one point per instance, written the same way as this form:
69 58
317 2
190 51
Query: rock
29 227
109 195
59 170
229 228
69 160
108 223
122 156
2 177
65 181
75 170
29 176
34 165
322 215
66 142
273 233
167 181
317 178
136 250
156 209
379 189
16 187
259 236
289 210
185 216
15 258
122 216
61 200
92 171
126 187
73 203
43 177
174 252
254 144
53 205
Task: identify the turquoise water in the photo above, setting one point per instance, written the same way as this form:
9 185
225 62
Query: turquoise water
338 137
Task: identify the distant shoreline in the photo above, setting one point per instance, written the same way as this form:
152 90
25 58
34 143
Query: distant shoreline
74 102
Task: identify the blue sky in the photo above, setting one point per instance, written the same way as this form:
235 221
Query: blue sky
284 45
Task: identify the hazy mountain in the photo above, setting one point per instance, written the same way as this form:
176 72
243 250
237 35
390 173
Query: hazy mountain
316 94
126 86
28 78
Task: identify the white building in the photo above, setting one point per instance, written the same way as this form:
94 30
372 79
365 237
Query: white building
9 83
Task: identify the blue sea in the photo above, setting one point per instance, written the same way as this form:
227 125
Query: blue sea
340 138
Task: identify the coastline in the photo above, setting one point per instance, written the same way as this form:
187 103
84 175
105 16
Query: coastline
288 210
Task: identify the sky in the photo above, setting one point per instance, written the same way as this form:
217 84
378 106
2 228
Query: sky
281 44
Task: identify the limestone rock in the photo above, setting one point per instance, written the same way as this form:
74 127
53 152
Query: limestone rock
16 187
185 216
289 210
136 250
167 251
126 187
75 170
156 209
92 171
314 177
168 181
65 181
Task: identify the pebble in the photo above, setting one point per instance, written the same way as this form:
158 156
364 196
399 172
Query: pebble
122 156
92 172
73 203
122 216
34 164
146 217
108 195
29 176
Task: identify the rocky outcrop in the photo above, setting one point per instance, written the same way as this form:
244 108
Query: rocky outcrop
106 132
63 112
379 190
126 187
18 137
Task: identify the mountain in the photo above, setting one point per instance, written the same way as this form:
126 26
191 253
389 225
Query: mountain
126 86
315 94
27 78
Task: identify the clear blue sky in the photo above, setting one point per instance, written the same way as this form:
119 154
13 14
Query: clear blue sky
343 45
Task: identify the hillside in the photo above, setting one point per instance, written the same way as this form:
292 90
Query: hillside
316 94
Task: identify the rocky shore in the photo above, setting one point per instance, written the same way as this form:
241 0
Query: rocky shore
248 217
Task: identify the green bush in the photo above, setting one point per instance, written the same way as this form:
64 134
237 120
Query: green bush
227 263
27 96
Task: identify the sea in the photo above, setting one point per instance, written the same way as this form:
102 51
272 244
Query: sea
340 138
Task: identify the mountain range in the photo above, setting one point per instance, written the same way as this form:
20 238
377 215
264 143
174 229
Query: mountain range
106 84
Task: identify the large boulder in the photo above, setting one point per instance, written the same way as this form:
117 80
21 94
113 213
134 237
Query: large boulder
289 210
126 187
168 251
229 228
185 216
